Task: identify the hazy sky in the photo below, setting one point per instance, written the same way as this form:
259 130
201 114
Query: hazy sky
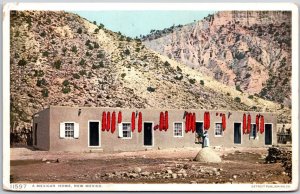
134 23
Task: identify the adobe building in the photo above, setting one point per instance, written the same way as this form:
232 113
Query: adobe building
60 128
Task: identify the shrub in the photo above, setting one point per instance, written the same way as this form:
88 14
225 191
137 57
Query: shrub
43 34
137 49
76 75
100 55
66 90
237 99
228 94
45 92
96 45
202 82
150 89
88 54
192 81
22 62
127 52
45 54
96 30
248 75
87 43
66 83
123 75
82 72
91 47
64 50
167 63
41 82
79 31
94 22
38 73
128 39
74 49
101 26
179 69
57 64
238 88
250 96
82 62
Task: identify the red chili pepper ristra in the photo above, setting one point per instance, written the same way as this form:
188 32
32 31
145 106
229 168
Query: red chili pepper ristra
249 124
120 117
161 121
108 121
140 122
104 121
257 122
262 124
132 121
166 120
244 124
223 122
113 122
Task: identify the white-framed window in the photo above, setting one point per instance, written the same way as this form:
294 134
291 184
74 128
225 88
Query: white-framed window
69 130
178 129
218 129
126 131
253 131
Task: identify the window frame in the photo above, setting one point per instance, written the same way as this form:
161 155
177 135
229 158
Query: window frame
182 134
215 127
130 130
69 122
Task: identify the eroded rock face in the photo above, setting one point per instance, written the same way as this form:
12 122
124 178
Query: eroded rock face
247 49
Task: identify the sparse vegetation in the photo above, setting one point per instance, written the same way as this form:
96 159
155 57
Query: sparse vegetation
82 62
64 50
123 75
76 75
127 52
88 53
237 99
178 77
82 72
66 83
192 81
166 63
96 31
202 82
57 64
238 88
150 89
41 82
96 45
38 73
43 34
45 54
100 55
74 49
66 90
79 31
179 69
45 92
250 96
137 49
22 62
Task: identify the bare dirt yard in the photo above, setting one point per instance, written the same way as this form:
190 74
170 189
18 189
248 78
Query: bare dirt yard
239 165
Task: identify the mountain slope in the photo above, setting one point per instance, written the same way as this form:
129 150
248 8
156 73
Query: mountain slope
250 50
59 58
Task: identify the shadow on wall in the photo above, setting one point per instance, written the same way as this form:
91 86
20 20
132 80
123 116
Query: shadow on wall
21 138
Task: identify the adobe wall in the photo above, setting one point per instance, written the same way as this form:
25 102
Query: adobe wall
162 139
42 119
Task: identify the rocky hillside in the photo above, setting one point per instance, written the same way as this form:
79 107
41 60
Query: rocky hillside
59 58
249 50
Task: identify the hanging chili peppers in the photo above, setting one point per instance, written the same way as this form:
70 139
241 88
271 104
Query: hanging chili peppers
161 121
113 122
104 121
108 121
187 119
244 124
166 120
140 122
249 124
119 117
257 122
223 122
194 123
132 121
262 124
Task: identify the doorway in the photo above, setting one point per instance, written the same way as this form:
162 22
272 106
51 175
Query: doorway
268 134
94 134
35 133
199 132
237 136
148 136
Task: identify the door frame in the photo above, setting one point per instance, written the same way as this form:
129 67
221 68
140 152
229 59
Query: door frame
240 132
152 130
99 129
271 134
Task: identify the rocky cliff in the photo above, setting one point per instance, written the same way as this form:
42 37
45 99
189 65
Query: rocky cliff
250 50
59 58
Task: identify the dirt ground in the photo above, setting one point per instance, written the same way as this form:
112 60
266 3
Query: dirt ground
239 165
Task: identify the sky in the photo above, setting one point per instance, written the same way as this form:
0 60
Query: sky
136 23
